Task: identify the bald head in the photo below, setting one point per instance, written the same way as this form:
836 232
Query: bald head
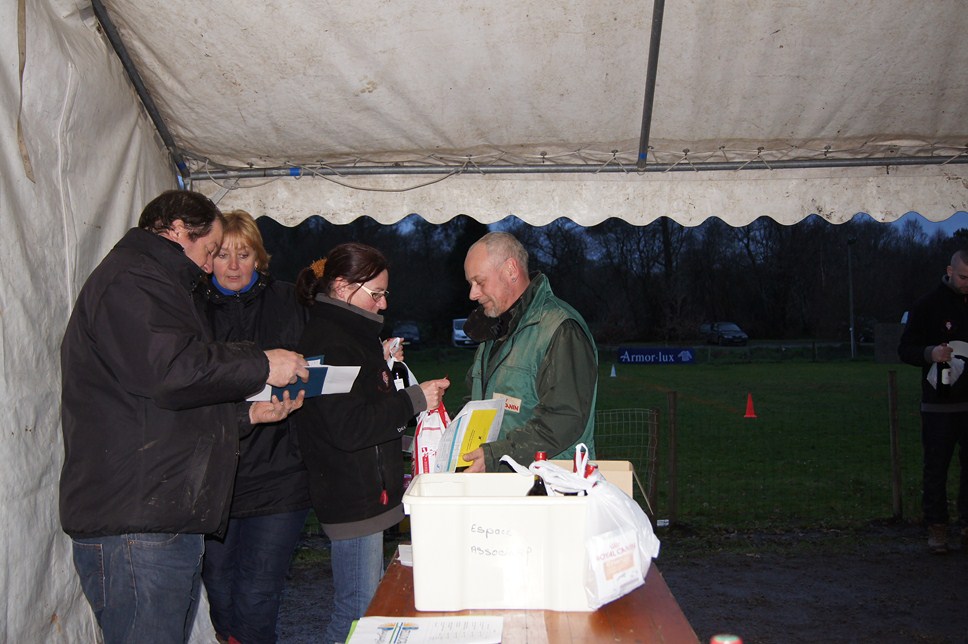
496 268
958 272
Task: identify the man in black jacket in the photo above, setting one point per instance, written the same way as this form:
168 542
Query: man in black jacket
150 428
937 325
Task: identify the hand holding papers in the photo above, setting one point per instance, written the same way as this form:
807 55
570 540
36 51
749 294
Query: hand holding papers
477 423
323 379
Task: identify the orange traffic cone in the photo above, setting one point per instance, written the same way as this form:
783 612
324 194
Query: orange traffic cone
749 407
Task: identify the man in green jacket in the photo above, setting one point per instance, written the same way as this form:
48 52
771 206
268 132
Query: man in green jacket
536 353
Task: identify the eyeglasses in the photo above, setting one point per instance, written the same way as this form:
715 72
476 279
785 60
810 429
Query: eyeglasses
376 295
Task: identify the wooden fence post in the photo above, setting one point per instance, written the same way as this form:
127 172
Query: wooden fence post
673 475
895 449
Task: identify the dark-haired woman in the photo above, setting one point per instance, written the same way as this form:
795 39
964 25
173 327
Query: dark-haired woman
351 443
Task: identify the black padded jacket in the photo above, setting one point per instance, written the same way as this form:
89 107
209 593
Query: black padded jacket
271 478
148 398
352 442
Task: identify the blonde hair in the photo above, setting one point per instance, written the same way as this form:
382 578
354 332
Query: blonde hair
240 226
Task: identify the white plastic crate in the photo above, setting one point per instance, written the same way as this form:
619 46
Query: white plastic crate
480 542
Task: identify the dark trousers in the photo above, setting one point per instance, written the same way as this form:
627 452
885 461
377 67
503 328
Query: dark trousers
941 434
245 574
142 587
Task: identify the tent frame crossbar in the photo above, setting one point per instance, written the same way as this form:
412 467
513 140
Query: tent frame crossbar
296 171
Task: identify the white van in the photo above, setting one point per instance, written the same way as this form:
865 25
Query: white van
457 336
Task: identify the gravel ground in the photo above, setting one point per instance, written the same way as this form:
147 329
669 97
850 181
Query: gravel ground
879 584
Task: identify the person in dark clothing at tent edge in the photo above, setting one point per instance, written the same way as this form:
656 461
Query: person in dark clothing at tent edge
935 338
150 421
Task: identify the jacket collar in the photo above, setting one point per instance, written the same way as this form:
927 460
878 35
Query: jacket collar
349 308
518 309
170 255
216 296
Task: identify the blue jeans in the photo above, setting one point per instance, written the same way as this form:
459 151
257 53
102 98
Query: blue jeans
245 574
142 587
357 570
941 434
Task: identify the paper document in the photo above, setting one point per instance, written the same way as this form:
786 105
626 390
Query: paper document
323 379
478 422
470 629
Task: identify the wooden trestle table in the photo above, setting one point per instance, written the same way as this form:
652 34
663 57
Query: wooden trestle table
649 614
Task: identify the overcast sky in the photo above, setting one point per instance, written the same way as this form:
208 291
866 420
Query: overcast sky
949 225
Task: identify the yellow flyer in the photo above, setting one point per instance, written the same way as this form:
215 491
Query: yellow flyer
478 422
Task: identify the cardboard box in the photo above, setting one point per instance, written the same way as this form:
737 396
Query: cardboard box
618 473
480 543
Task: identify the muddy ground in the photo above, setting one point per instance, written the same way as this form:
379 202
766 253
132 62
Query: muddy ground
877 584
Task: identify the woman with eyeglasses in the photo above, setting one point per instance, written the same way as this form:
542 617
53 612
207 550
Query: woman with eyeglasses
351 443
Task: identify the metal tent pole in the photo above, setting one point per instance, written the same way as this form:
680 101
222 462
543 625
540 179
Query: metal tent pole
719 166
115 39
658 9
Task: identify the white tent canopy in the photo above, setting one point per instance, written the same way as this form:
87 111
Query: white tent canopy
536 109
486 108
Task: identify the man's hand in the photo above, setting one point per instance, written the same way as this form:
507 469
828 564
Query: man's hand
275 410
476 460
285 367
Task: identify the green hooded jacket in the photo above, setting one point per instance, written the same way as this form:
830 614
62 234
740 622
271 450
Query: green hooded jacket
546 366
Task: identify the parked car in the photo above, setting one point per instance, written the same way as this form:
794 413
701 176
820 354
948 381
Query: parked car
723 333
457 336
409 331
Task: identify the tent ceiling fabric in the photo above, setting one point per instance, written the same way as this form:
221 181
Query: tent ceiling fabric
522 83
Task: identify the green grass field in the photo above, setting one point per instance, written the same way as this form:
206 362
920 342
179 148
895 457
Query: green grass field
818 453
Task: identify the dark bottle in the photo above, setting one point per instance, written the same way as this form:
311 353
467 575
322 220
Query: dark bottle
944 379
539 489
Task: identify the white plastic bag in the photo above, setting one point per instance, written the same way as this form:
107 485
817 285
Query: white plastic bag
426 440
557 480
619 540
619 544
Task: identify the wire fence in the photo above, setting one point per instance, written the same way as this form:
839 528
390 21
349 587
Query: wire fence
631 435
791 473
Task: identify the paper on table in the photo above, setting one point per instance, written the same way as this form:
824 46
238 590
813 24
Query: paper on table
405 551
469 629
323 379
